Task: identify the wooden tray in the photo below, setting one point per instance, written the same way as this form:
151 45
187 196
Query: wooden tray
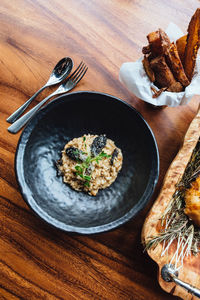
190 272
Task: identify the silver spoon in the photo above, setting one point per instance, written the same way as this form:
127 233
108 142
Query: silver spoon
59 73
169 274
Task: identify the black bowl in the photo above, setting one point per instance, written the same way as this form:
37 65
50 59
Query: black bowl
71 116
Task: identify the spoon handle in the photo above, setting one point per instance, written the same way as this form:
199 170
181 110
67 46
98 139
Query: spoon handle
17 125
12 118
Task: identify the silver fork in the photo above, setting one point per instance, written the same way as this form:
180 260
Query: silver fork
71 82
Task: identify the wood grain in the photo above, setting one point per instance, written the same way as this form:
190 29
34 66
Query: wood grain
36 261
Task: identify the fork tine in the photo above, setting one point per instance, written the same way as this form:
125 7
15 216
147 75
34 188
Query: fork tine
81 75
77 69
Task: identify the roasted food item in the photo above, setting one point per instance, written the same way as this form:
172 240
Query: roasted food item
90 163
157 93
148 69
163 74
162 63
170 66
158 42
192 45
192 201
180 45
174 62
175 87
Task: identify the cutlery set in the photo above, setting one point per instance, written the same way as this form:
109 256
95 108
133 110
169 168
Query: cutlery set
60 73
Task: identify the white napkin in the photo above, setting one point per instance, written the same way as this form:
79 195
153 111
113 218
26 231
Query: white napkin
133 76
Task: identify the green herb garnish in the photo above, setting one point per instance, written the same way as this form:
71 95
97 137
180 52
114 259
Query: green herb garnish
84 139
81 168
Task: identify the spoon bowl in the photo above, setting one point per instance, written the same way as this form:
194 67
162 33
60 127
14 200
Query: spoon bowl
60 71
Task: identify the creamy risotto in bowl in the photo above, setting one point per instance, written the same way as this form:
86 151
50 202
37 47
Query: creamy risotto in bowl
90 163
42 144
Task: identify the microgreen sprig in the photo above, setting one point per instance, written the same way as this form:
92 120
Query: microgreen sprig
81 168
84 139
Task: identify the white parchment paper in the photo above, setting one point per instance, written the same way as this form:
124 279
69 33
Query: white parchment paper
133 76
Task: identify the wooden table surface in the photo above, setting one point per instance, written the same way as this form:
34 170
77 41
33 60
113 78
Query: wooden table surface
36 261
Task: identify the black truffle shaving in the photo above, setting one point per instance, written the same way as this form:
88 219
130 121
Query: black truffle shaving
114 155
75 154
98 144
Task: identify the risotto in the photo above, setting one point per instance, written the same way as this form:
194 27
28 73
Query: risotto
90 163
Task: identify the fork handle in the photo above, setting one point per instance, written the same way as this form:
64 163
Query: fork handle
12 118
17 125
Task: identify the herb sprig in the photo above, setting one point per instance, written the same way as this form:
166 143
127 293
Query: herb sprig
81 168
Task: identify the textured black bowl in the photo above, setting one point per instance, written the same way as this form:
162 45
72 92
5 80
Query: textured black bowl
71 116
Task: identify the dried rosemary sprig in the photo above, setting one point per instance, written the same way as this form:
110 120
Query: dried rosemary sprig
174 223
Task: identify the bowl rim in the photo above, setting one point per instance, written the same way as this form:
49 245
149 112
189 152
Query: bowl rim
26 192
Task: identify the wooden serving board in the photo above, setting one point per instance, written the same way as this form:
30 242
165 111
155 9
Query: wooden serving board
190 272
